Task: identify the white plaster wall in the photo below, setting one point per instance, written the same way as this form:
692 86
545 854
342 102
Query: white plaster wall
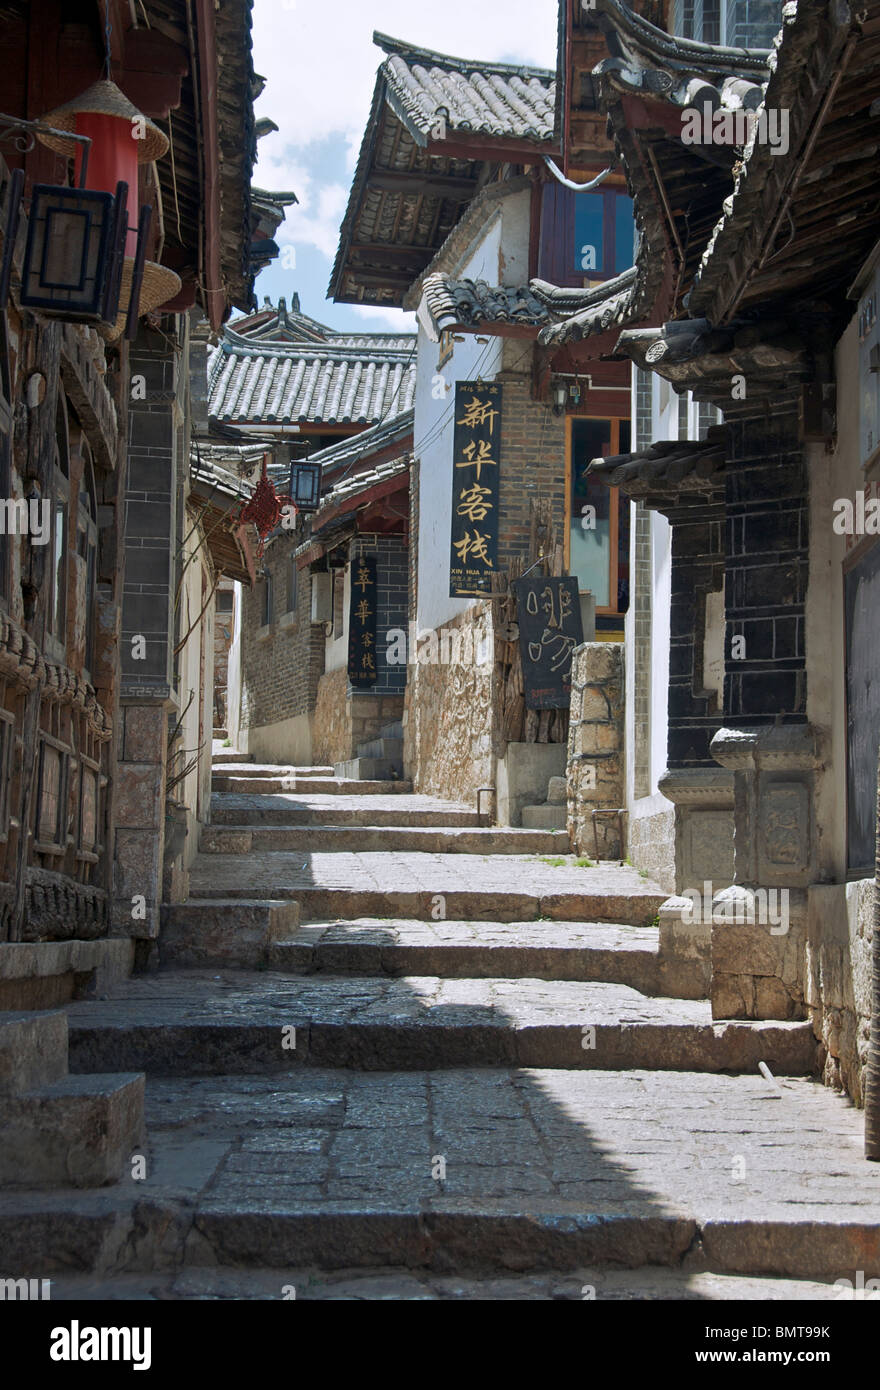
233 677
336 648
507 225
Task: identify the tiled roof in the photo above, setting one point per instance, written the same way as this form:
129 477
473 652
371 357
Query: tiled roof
499 99
470 303
346 381
382 436
577 314
357 484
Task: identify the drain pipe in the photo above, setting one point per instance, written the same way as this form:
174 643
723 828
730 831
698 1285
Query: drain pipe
872 1084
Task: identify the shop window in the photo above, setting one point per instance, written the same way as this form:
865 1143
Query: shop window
52 797
598 520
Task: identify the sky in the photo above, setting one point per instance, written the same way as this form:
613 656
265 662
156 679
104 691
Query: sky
320 64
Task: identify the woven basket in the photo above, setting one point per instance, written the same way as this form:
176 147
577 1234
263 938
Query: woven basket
158 286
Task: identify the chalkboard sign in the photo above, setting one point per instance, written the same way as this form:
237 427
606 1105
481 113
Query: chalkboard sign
862 606
549 618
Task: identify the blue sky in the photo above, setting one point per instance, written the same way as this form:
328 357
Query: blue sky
320 64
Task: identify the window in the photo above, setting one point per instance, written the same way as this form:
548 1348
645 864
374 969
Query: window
291 585
604 232
598 519
585 237
447 347
225 601
736 23
266 600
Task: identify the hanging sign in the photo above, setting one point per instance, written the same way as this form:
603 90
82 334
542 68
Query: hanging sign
549 618
476 442
362 622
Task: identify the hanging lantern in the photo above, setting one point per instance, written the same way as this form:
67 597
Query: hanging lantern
305 485
122 139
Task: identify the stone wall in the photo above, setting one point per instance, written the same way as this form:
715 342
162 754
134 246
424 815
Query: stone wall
596 747
650 842
345 718
838 978
451 734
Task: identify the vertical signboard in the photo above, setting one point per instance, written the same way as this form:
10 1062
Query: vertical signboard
476 439
362 622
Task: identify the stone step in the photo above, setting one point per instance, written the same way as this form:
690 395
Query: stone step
426 886
245 839
47 974
477 950
290 810
401 1285
230 755
245 784
547 817
393 730
240 767
33 1050
389 748
192 1023
80 1131
370 769
214 932
614 1175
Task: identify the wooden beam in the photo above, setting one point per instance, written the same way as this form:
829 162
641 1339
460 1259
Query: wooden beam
207 47
419 254
460 145
419 182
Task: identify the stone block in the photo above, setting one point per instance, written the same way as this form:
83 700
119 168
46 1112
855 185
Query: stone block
140 802
145 736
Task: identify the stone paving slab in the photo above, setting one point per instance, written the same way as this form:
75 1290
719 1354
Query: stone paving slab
316 808
245 839
651 1284
541 1170
191 1021
474 950
497 887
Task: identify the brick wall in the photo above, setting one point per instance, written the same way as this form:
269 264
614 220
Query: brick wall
280 669
532 465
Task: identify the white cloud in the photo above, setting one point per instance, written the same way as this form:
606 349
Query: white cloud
394 319
320 62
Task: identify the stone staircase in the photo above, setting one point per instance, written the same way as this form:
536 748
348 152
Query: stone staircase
379 759
393 1053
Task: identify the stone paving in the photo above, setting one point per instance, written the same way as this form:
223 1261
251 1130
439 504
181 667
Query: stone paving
464 1132
480 1171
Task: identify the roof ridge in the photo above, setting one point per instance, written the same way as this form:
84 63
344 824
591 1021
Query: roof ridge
415 53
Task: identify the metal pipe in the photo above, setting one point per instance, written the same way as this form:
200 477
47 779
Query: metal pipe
570 183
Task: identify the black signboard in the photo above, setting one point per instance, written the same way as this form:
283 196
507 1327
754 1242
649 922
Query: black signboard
362 621
476 439
549 618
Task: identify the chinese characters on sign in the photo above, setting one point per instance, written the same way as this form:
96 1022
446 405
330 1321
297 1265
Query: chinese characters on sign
475 453
549 617
362 622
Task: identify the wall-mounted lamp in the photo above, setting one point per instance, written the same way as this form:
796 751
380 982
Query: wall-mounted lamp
560 397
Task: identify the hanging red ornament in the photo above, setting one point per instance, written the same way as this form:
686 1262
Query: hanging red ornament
264 508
